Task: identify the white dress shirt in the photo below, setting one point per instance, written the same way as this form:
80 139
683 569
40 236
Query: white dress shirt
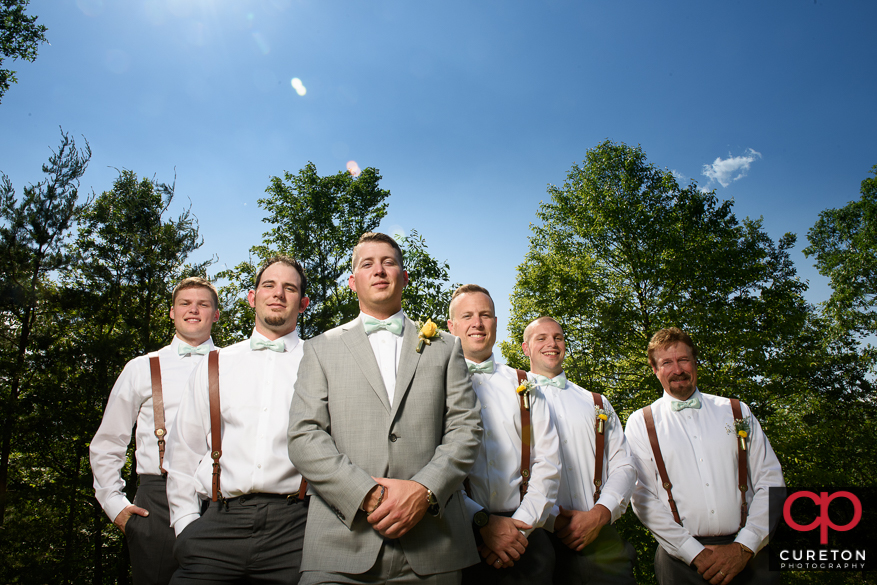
130 403
388 349
699 447
573 412
255 392
495 479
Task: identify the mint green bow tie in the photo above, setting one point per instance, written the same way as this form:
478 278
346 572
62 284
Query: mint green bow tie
677 405
558 381
186 349
393 325
485 367
276 345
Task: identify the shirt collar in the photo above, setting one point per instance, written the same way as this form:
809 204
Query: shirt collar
468 361
176 341
400 314
290 340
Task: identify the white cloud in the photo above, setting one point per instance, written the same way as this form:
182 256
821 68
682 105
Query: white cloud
733 168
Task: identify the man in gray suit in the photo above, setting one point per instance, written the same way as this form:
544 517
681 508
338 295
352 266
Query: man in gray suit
385 427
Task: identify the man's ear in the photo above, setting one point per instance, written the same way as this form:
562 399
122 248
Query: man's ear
251 298
526 349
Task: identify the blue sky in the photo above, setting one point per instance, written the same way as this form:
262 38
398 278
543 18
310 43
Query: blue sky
469 109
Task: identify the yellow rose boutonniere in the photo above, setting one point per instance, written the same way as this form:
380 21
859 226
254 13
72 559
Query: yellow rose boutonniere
601 417
741 429
524 392
427 332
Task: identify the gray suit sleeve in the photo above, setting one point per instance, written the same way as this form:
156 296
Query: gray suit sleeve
456 453
312 450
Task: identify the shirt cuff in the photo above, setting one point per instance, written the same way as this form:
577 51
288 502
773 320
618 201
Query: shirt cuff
748 539
690 549
181 524
612 503
115 505
524 517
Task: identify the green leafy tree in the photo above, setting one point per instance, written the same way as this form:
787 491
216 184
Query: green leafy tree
110 305
317 220
844 243
20 37
429 290
622 250
33 234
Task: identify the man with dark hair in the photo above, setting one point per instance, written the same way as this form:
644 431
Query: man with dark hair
704 471
147 394
385 426
513 484
253 526
597 473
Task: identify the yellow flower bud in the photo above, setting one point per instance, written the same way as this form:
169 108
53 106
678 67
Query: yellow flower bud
429 329
521 388
604 417
743 434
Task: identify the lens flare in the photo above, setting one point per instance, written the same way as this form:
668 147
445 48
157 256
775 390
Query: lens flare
353 168
298 86
262 43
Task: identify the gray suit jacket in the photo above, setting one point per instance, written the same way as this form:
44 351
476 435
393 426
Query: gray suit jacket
343 430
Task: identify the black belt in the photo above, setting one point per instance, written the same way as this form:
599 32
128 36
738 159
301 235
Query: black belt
260 498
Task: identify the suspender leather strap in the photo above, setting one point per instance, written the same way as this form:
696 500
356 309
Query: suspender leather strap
525 438
599 430
659 461
158 408
742 469
215 419
302 489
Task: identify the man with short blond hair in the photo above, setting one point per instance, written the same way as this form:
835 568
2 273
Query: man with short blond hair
385 427
708 512
513 484
147 395
597 474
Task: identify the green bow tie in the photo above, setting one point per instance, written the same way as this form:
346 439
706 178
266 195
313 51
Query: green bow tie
393 325
559 381
677 405
186 349
485 367
276 345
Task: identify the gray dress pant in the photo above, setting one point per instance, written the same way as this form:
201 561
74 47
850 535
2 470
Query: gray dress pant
671 571
151 539
255 538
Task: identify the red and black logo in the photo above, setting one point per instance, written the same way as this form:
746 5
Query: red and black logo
823 529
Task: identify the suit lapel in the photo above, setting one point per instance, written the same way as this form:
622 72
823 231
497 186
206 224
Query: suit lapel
407 363
356 340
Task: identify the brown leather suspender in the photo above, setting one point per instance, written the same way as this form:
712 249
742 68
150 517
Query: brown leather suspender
742 469
659 460
599 446
216 427
525 438
158 409
215 419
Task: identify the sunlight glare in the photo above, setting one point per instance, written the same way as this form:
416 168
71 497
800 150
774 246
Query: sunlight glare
298 86
353 168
